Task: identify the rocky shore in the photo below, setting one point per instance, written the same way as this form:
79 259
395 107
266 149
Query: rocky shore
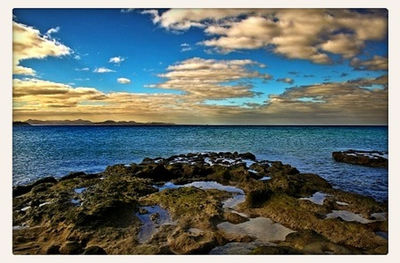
198 203
366 158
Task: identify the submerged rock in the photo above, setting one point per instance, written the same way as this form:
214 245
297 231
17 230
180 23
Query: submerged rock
366 158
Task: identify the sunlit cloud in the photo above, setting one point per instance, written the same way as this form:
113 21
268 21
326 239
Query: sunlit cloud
212 79
375 63
116 60
53 30
29 43
286 80
123 81
295 33
362 101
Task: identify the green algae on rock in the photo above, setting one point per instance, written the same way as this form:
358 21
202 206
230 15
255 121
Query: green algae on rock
207 203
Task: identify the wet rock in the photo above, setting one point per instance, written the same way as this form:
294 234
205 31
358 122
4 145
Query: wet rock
73 175
275 250
94 250
156 172
298 185
121 170
277 168
53 250
71 248
234 218
49 179
155 217
220 174
248 156
309 242
366 158
191 206
142 211
256 197
111 210
299 215
114 213
41 187
186 243
23 189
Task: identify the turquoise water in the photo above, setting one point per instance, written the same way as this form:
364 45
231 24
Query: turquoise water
57 150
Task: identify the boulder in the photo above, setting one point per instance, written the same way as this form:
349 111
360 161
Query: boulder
71 248
53 250
94 250
366 158
234 218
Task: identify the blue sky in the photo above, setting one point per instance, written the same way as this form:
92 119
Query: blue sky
148 48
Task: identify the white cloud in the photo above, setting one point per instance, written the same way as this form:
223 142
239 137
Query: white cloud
352 102
185 47
295 33
82 69
123 81
103 70
116 60
204 79
52 31
29 43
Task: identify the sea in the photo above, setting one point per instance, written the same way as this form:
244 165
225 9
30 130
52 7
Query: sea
40 151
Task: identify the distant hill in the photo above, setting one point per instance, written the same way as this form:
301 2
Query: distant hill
86 122
21 123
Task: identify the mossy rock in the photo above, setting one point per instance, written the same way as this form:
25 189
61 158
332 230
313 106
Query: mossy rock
310 242
274 250
190 205
299 215
298 185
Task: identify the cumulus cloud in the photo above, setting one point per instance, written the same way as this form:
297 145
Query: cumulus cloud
52 30
34 98
123 81
212 79
29 43
103 70
116 60
360 101
286 80
375 63
295 33
38 95
335 102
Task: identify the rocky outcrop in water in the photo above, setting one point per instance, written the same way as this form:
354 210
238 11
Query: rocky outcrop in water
197 203
366 158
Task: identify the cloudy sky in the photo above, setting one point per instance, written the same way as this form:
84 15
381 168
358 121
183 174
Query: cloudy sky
201 66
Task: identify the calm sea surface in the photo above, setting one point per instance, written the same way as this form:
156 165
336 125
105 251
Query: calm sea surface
40 151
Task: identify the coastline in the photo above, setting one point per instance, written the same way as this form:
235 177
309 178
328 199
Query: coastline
191 192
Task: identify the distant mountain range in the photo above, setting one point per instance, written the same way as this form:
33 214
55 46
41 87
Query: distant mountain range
86 122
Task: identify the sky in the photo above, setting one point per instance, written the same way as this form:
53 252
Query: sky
201 66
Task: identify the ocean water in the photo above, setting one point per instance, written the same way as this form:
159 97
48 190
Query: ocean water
40 151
